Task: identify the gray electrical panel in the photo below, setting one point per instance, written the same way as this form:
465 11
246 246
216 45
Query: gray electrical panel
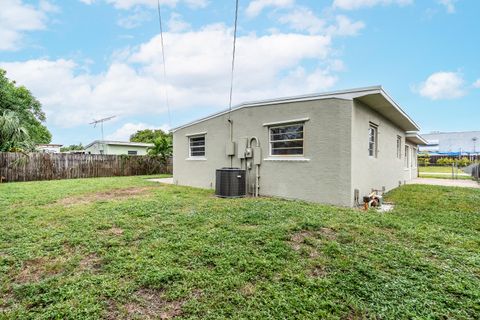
230 148
241 147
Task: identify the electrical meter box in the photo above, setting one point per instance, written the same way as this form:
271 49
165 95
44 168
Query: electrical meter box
230 148
248 153
241 147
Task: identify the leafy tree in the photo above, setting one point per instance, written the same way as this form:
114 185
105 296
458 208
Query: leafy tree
26 107
162 147
72 147
148 135
13 136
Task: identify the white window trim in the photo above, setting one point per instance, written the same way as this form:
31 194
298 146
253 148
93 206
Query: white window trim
375 151
190 157
399 147
407 159
285 122
285 156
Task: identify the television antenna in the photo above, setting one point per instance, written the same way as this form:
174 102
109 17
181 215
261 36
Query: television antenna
101 121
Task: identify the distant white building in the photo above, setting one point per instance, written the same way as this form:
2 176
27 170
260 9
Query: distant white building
117 147
49 148
452 143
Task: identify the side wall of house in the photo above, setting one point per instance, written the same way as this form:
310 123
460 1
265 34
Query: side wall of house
386 169
322 174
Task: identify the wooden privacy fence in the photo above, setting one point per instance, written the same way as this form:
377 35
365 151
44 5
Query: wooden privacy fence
45 166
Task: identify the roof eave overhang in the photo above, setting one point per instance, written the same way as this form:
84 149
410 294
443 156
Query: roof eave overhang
382 103
416 138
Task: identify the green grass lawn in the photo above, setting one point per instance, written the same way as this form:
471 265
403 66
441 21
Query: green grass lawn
125 248
434 169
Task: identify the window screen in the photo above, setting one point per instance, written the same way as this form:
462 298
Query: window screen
372 140
197 146
287 140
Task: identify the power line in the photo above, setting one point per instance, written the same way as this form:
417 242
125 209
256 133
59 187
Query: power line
164 63
233 59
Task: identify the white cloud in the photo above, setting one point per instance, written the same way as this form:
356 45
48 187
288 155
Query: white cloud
177 24
128 4
449 5
255 7
345 27
356 4
304 19
476 84
124 132
17 17
135 19
198 75
443 85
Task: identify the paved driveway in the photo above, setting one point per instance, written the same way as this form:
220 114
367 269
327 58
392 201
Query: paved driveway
446 182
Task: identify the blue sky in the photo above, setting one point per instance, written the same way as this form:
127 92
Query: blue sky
87 59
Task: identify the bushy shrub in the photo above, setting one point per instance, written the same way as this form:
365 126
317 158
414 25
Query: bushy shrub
463 162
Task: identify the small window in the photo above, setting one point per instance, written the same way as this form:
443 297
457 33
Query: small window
372 140
414 158
407 156
132 153
399 147
287 140
197 146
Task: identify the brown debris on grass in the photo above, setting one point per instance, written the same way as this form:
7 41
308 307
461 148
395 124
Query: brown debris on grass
115 194
37 269
91 262
302 241
248 289
148 304
114 231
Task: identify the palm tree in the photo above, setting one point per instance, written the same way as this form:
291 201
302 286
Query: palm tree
12 135
162 147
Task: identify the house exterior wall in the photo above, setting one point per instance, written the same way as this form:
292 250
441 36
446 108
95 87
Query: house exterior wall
386 169
321 175
115 149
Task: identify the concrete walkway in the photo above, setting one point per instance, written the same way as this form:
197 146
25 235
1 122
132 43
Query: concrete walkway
446 182
162 180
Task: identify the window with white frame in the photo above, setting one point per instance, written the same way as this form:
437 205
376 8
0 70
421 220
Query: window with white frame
399 147
407 156
197 146
287 140
372 140
414 157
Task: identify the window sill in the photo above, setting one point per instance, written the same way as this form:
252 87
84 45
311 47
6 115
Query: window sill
196 159
289 159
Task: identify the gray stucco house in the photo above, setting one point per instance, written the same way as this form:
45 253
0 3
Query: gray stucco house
332 147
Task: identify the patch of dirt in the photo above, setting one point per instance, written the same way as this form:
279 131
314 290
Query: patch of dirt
6 300
114 231
91 262
302 241
39 268
248 289
148 304
318 272
115 194
328 233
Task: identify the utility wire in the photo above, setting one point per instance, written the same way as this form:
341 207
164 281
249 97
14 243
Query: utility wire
233 59
164 63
